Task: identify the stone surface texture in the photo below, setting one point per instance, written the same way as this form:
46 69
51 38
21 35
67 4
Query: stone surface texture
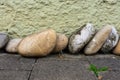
14 75
21 18
81 37
98 40
38 44
71 67
15 62
112 41
117 49
13 45
62 70
4 38
61 43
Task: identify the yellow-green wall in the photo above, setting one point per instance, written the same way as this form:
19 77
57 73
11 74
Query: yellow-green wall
23 17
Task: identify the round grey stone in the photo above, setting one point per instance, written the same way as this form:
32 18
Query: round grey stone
4 38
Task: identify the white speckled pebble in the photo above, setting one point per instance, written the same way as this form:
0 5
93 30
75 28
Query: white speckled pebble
81 37
111 42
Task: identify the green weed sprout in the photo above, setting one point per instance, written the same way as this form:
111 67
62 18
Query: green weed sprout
97 70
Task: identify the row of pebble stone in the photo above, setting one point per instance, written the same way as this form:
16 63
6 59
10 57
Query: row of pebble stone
35 45
85 38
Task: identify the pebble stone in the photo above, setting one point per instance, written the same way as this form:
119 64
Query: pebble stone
13 45
4 38
99 39
38 44
112 41
81 37
116 50
61 43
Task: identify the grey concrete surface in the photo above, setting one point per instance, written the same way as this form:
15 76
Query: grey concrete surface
15 62
62 70
57 67
14 75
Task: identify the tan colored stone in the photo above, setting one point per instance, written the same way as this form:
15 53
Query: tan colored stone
12 45
96 43
61 43
39 44
117 49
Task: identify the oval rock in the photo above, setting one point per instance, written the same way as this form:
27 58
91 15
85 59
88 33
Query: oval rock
98 40
4 38
61 43
12 45
39 44
111 42
81 37
116 50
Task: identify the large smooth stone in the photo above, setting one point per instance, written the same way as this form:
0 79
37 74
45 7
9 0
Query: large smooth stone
111 42
61 43
39 44
4 38
117 49
99 39
13 45
81 37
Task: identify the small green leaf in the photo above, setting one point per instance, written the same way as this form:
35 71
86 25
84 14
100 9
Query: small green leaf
103 69
93 67
96 70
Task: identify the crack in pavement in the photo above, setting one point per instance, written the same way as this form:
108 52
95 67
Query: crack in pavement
32 69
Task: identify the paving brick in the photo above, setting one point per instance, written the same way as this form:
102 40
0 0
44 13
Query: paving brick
15 62
14 75
111 62
54 67
110 75
62 70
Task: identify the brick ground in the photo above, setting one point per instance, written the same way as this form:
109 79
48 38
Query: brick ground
69 67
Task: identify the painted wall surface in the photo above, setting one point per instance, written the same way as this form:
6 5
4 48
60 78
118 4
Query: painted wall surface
23 17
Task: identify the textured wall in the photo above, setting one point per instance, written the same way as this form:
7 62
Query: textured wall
22 17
